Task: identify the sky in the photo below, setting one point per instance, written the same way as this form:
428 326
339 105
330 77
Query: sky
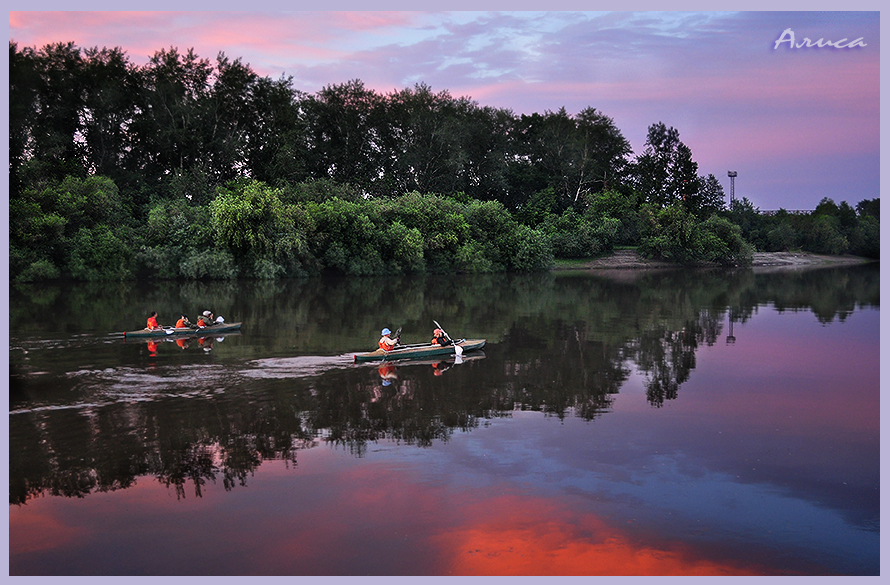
796 123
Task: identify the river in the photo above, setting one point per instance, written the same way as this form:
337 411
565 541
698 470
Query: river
676 422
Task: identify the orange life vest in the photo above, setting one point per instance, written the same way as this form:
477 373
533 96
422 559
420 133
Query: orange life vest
385 346
151 323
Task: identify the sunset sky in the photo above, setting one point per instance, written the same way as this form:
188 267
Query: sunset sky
797 124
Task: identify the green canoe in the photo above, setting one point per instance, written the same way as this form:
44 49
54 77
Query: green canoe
421 350
184 331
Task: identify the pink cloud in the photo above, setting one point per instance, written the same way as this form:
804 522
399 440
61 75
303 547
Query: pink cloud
368 20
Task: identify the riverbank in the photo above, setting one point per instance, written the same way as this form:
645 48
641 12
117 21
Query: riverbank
631 259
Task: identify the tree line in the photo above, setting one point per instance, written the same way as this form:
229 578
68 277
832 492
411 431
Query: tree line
191 168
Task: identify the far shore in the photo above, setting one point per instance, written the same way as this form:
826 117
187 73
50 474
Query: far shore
631 259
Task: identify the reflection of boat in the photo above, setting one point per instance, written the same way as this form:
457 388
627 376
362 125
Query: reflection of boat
420 350
208 331
184 341
449 360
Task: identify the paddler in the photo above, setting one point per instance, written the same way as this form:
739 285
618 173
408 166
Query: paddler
206 319
183 322
152 322
386 342
439 337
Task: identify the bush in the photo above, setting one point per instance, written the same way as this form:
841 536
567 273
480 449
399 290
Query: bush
367 262
37 271
781 238
531 250
722 242
403 249
612 205
159 261
471 257
267 270
672 234
822 236
179 224
214 264
319 190
866 237
98 254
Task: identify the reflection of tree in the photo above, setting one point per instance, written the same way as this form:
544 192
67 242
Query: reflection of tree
668 356
561 345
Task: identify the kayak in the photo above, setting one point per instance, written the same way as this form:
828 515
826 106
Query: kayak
181 331
421 350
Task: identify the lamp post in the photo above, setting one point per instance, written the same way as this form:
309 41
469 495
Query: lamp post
732 176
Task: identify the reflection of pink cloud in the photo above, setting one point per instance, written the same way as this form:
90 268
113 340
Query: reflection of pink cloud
344 519
520 535
37 528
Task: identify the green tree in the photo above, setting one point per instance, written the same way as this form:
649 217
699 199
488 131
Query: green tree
870 207
672 234
46 100
111 95
167 132
343 123
665 173
722 242
426 142
710 198
250 221
574 156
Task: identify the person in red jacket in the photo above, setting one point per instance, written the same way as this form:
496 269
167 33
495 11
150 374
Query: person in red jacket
439 337
386 342
152 322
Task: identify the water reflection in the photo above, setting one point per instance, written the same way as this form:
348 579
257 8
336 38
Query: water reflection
740 376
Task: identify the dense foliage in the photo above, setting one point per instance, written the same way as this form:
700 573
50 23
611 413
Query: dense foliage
191 168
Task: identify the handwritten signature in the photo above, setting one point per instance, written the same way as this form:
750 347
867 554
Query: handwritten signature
788 37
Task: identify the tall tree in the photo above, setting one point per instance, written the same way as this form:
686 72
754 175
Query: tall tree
167 131
343 122
573 156
277 147
50 139
653 168
111 88
24 85
427 140
665 174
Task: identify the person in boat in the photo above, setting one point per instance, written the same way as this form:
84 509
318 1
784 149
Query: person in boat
183 322
152 322
206 319
439 338
386 342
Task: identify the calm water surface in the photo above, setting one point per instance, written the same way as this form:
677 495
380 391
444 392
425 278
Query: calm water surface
656 423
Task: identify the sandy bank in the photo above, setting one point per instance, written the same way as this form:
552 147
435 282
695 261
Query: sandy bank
624 259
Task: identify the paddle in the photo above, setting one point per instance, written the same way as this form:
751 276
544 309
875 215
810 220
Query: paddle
458 350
